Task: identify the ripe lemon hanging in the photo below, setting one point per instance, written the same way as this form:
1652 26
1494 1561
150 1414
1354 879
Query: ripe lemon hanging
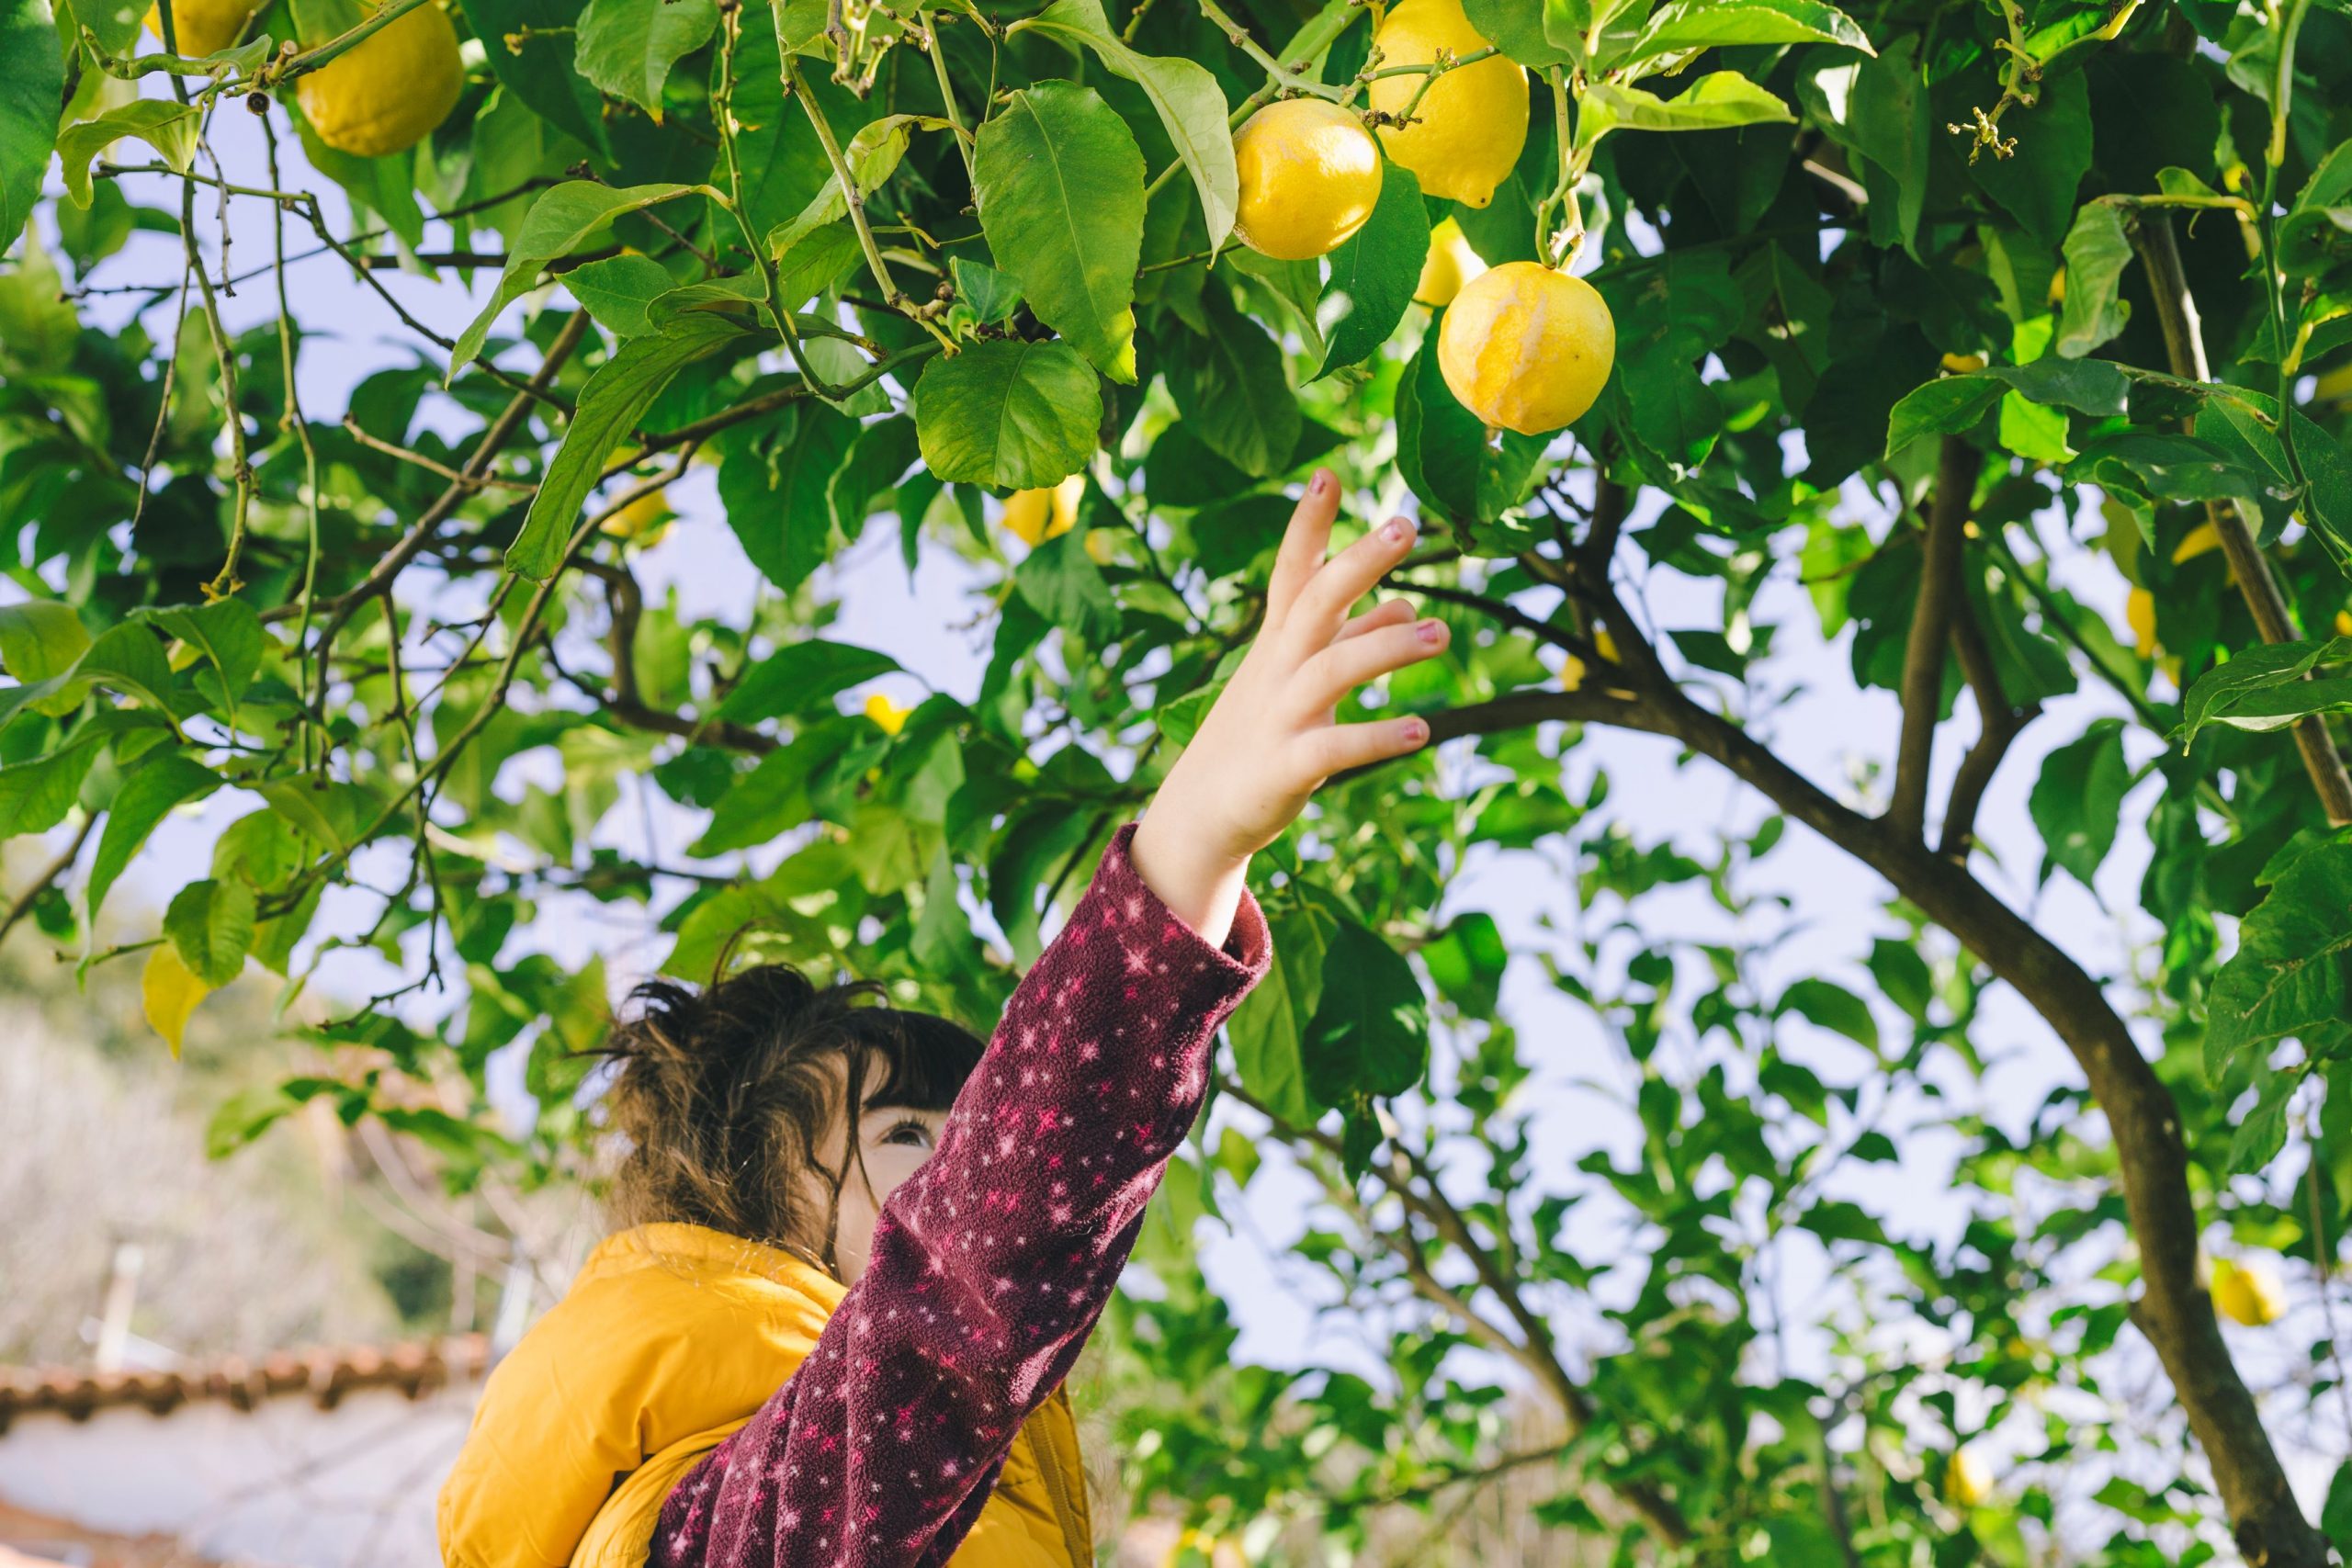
1310 175
2140 614
1526 348
386 94
1470 126
2247 1293
886 714
1452 262
1036 515
204 27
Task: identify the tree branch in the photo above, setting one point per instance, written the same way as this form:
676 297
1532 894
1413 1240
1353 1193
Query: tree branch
21 906
2000 723
2173 1311
2152 236
1931 618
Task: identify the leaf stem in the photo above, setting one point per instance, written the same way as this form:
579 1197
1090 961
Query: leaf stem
851 196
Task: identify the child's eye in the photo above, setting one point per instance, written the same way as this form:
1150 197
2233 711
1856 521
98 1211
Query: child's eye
913 1131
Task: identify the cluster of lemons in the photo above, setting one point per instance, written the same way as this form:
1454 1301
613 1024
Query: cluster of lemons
384 95
1525 347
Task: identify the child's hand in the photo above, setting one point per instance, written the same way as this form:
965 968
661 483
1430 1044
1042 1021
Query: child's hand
1271 740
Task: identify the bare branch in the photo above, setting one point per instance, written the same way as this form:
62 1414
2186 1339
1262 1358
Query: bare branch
2000 723
1923 655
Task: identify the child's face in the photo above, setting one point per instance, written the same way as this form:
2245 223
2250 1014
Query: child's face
895 1142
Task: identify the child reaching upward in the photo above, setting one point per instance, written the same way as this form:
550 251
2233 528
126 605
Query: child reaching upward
793 1367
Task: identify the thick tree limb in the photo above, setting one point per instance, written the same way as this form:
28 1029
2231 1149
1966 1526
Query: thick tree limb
2001 722
2152 236
2173 1310
1931 619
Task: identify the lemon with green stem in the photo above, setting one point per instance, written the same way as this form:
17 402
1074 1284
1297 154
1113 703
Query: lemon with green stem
390 90
1527 348
1465 136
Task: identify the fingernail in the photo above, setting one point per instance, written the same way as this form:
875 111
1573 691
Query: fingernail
1416 730
1399 530
1430 632
1322 484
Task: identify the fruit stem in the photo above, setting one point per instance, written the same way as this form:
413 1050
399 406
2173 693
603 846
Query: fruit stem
1307 43
341 44
1561 249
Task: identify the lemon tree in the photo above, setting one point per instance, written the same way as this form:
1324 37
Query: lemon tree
1923 427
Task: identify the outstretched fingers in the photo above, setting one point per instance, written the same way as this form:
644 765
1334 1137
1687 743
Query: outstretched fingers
1320 610
1303 543
1331 675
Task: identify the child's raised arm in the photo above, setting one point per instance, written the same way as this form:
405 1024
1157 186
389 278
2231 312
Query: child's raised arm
991 1263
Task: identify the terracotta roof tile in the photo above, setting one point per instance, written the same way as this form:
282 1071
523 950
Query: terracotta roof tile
327 1374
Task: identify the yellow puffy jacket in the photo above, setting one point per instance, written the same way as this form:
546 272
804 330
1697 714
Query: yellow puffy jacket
671 1338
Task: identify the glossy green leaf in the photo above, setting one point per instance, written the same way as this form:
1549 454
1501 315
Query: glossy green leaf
30 63
561 222
627 47
211 923
1008 413
1372 274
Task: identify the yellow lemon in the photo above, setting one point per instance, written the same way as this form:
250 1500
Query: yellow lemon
1969 1481
1036 515
2248 1293
2334 386
1962 364
888 715
1470 127
640 520
387 94
1526 348
1572 672
2344 623
2055 295
2140 614
1310 175
204 26
1452 262
2198 541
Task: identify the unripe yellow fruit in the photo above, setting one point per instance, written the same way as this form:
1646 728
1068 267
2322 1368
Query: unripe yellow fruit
2344 623
2140 614
642 520
1032 516
1526 348
1572 674
1452 262
1470 127
1969 1481
1310 175
2248 1293
388 91
1963 364
886 714
204 27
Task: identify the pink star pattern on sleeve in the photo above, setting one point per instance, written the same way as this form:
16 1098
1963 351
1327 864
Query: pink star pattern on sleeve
992 1262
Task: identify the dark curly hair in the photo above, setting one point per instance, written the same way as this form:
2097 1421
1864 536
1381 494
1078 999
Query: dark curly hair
723 1094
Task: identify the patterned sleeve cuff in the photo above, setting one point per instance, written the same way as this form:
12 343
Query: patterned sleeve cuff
1126 899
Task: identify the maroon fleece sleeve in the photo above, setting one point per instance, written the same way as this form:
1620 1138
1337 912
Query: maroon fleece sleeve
991 1263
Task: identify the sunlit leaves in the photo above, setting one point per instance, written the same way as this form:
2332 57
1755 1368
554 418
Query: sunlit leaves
35 72
2291 975
1232 389
167 127
1060 189
627 47
1716 101
1699 24
776 482
2268 687
2098 250
1372 274
1008 413
2077 802
159 783
559 221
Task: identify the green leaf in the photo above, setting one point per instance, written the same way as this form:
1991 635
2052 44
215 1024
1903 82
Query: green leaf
616 290
35 71
1440 443
2263 688
2076 802
560 222
1890 123
621 390
41 639
1536 33
1832 1007
991 296
229 633
1009 413
2262 1131
1231 389
885 451
2326 505
128 658
1716 101
1190 104
776 484
538 69
1269 1029
2335 1514
1370 1031
148 794
35 794
1703 24
627 47
1181 720
2097 249
211 923
1373 274
2291 975
802 678
169 128
1060 192
872 156
1062 584
1468 962
770 800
